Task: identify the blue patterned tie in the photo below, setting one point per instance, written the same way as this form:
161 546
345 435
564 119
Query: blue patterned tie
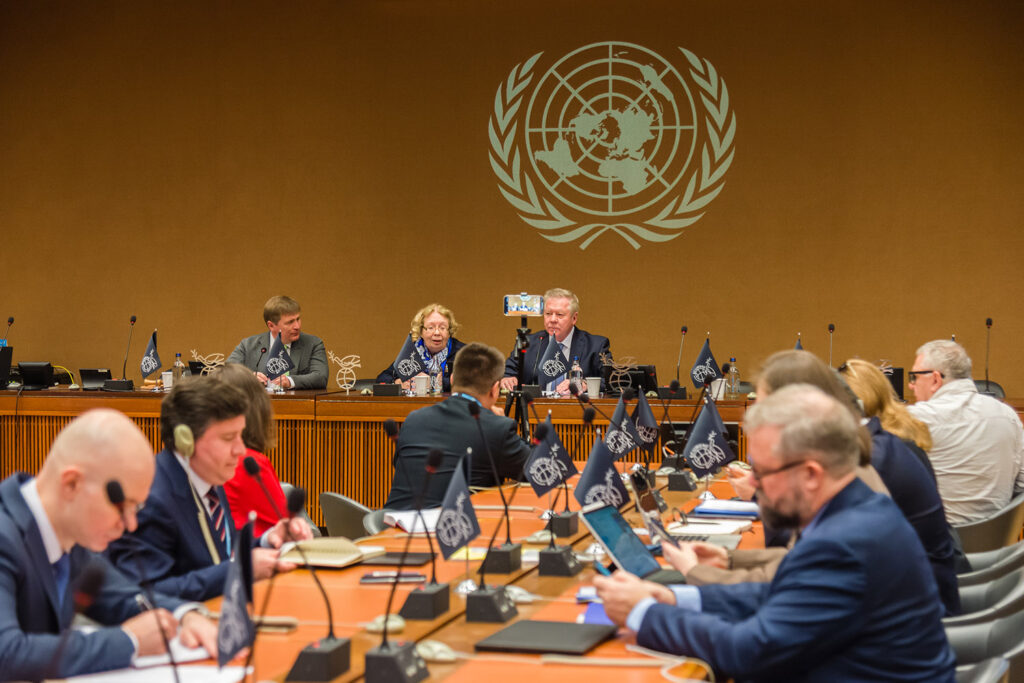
61 574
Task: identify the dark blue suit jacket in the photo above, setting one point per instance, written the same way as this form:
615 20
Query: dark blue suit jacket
31 618
169 541
587 347
854 600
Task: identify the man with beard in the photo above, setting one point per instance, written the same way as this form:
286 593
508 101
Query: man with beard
854 600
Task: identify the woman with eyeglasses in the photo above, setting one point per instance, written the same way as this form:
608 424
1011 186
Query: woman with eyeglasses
432 335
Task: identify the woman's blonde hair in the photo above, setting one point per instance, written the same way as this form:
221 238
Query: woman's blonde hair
417 320
879 399
259 415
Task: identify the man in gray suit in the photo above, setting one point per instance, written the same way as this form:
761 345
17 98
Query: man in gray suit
283 316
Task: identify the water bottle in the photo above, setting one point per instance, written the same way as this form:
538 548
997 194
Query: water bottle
576 374
435 382
179 370
734 377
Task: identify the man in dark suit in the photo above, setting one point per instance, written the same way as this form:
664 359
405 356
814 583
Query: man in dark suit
450 427
561 309
854 600
186 530
51 528
283 317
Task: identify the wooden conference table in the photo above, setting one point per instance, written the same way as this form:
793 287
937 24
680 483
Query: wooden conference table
325 441
354 604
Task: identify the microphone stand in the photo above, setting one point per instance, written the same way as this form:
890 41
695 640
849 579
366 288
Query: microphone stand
516 396
508 557
988 340
831 332
123 384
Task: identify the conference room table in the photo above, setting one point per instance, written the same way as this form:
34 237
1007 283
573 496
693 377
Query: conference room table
355 604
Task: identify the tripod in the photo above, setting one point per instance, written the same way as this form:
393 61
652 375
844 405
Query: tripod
516 401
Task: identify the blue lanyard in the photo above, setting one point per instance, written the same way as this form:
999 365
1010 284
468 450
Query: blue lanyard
474 399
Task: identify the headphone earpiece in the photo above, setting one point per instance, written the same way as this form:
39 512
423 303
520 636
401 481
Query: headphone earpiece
184 441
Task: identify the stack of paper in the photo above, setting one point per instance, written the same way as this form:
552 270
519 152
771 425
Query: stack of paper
409 520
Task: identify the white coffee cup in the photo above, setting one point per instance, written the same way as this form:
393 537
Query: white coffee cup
421 384
168 379
717 389
593 387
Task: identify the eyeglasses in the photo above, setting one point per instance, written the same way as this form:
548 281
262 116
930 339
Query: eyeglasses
435 328
912 375
758 476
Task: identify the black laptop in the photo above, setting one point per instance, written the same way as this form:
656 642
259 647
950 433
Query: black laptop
6 353
93 378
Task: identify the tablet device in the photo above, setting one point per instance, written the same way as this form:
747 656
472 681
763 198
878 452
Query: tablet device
619 540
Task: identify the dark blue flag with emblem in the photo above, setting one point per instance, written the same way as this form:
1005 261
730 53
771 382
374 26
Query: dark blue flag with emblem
549 463
278 360
622 436
408 362
707 450
245 558
799 345
150 359
705 369
600 481
457 524
235 629
646 426
553 365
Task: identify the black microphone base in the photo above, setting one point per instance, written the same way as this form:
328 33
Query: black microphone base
667 393
427 602
503 559
659 499
681 481
118 385
395 663
674 461
490 604
323 660
565 524
559 561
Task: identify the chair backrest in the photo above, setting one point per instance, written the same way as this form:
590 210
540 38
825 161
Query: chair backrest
992 670
1003 637
287 489
373 522
989 601
991 388
998 531
1003 561
342 515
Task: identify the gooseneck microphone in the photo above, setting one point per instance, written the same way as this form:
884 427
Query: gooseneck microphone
115 494
83 594
263 350
131 329
831 331
123 384
10 321
474 410
988 340
679 360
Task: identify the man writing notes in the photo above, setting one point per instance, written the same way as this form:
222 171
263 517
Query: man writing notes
186 531
283 317
51 527
854 600
451 427
977 441
561 309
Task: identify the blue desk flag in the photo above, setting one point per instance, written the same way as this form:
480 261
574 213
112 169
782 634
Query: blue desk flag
600 481
553 365
622 436
151 359
707 450
647 427
457 524
278 360
549 464
408 362
705 369
235 629
799 345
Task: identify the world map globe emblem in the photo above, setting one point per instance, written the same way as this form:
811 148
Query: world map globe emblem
547 471
454 525
407 367
610 128
705 455
604 493
149 364
553 368
618 441
277 366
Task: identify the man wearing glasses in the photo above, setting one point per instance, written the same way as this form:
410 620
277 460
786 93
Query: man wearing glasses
977 441
854 600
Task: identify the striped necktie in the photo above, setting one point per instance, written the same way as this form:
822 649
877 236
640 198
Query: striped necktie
216 513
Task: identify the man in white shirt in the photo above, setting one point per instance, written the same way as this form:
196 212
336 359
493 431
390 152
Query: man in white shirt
978 441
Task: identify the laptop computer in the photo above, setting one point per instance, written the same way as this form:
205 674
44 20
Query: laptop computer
6 353
93 378
623 546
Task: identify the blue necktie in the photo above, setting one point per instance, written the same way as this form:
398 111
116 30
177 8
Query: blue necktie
61 574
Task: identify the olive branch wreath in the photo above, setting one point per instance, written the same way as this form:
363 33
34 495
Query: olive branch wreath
705 183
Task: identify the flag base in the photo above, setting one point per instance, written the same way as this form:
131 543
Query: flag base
707 495
503 559
558 561
395 663
681 481
676 462
490 604
565 524
427 602
321 660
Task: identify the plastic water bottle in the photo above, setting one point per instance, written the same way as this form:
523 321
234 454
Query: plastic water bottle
576 374
435 382
179 369
734 377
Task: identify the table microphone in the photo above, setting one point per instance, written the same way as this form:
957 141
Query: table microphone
123 384
328 658
263 350
679 360
10 321
83 594
988 339
509 556
115 494
831 331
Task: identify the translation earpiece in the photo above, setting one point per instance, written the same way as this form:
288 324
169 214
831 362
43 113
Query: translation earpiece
184 441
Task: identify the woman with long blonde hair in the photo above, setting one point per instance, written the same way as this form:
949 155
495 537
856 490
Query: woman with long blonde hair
879 400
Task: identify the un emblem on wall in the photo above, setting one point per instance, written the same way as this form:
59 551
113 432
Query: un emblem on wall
613 137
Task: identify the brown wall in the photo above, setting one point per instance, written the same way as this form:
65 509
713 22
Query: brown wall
159 154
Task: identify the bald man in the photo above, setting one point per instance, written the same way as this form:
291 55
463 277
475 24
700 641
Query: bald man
51 527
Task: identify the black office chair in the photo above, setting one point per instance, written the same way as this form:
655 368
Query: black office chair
998 531
989 566
988 601
974 643
342 515
993 389
993 670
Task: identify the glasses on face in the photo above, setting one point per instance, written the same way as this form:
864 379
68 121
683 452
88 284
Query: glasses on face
758 476
436 328
913 374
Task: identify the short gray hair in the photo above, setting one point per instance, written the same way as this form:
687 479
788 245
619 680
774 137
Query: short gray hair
559 293
813 424
947 357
